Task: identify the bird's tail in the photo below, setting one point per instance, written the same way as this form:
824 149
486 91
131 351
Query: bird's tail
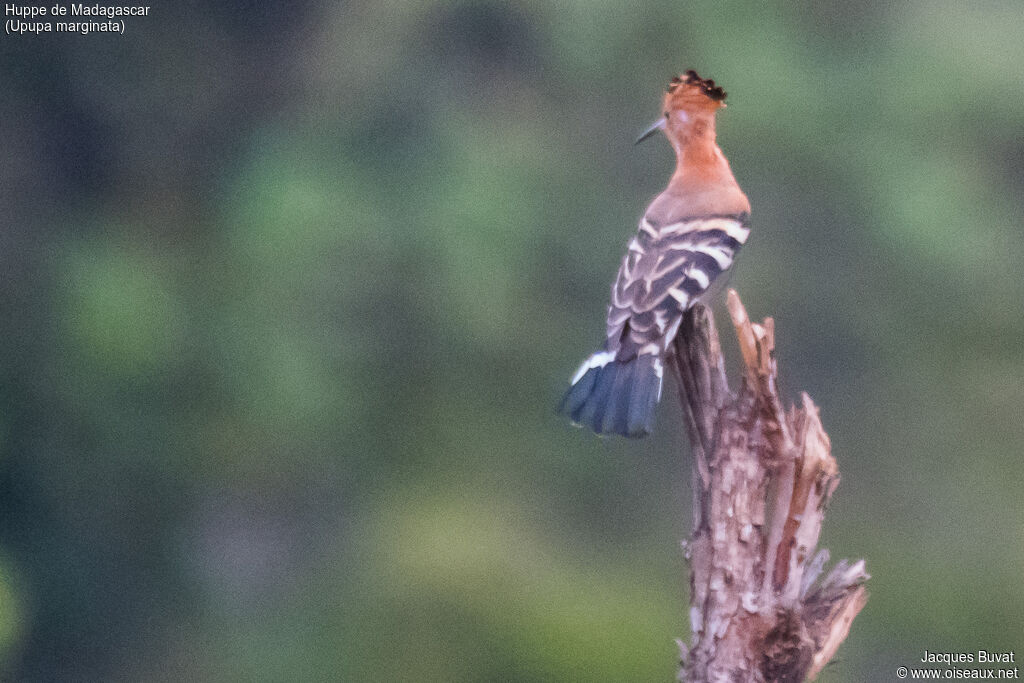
615 396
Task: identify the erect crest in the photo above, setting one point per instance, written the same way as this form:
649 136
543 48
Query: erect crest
707 86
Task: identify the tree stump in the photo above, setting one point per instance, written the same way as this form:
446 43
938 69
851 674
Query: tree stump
761 606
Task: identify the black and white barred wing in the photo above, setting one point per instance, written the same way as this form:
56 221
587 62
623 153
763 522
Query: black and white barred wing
665 271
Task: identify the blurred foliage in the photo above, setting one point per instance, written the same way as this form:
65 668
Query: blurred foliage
289 295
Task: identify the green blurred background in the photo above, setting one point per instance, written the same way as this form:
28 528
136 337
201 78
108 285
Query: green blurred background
290 291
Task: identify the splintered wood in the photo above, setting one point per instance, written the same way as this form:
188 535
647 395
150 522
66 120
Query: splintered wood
760 607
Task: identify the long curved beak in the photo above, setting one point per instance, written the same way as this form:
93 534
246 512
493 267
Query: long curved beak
655 127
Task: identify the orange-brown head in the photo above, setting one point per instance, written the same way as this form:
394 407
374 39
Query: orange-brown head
692 92
689 108
702 181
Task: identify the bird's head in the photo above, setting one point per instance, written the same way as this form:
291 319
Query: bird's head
689 105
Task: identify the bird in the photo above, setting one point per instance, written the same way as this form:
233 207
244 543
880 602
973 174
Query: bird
687 239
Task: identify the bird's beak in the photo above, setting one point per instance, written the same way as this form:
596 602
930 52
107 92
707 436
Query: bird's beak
655 127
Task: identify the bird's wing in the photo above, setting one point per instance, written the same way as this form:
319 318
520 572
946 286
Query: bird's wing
666 269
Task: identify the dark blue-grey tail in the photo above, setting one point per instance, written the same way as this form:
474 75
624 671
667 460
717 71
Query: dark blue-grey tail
615 397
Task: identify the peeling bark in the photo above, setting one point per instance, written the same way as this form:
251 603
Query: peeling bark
760 609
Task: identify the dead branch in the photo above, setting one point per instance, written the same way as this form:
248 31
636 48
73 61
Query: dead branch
760 609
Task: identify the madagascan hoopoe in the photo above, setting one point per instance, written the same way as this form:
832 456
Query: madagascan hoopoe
688 238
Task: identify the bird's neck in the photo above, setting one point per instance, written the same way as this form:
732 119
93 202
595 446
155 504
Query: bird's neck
698 158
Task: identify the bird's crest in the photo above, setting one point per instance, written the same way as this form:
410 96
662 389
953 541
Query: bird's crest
706 85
